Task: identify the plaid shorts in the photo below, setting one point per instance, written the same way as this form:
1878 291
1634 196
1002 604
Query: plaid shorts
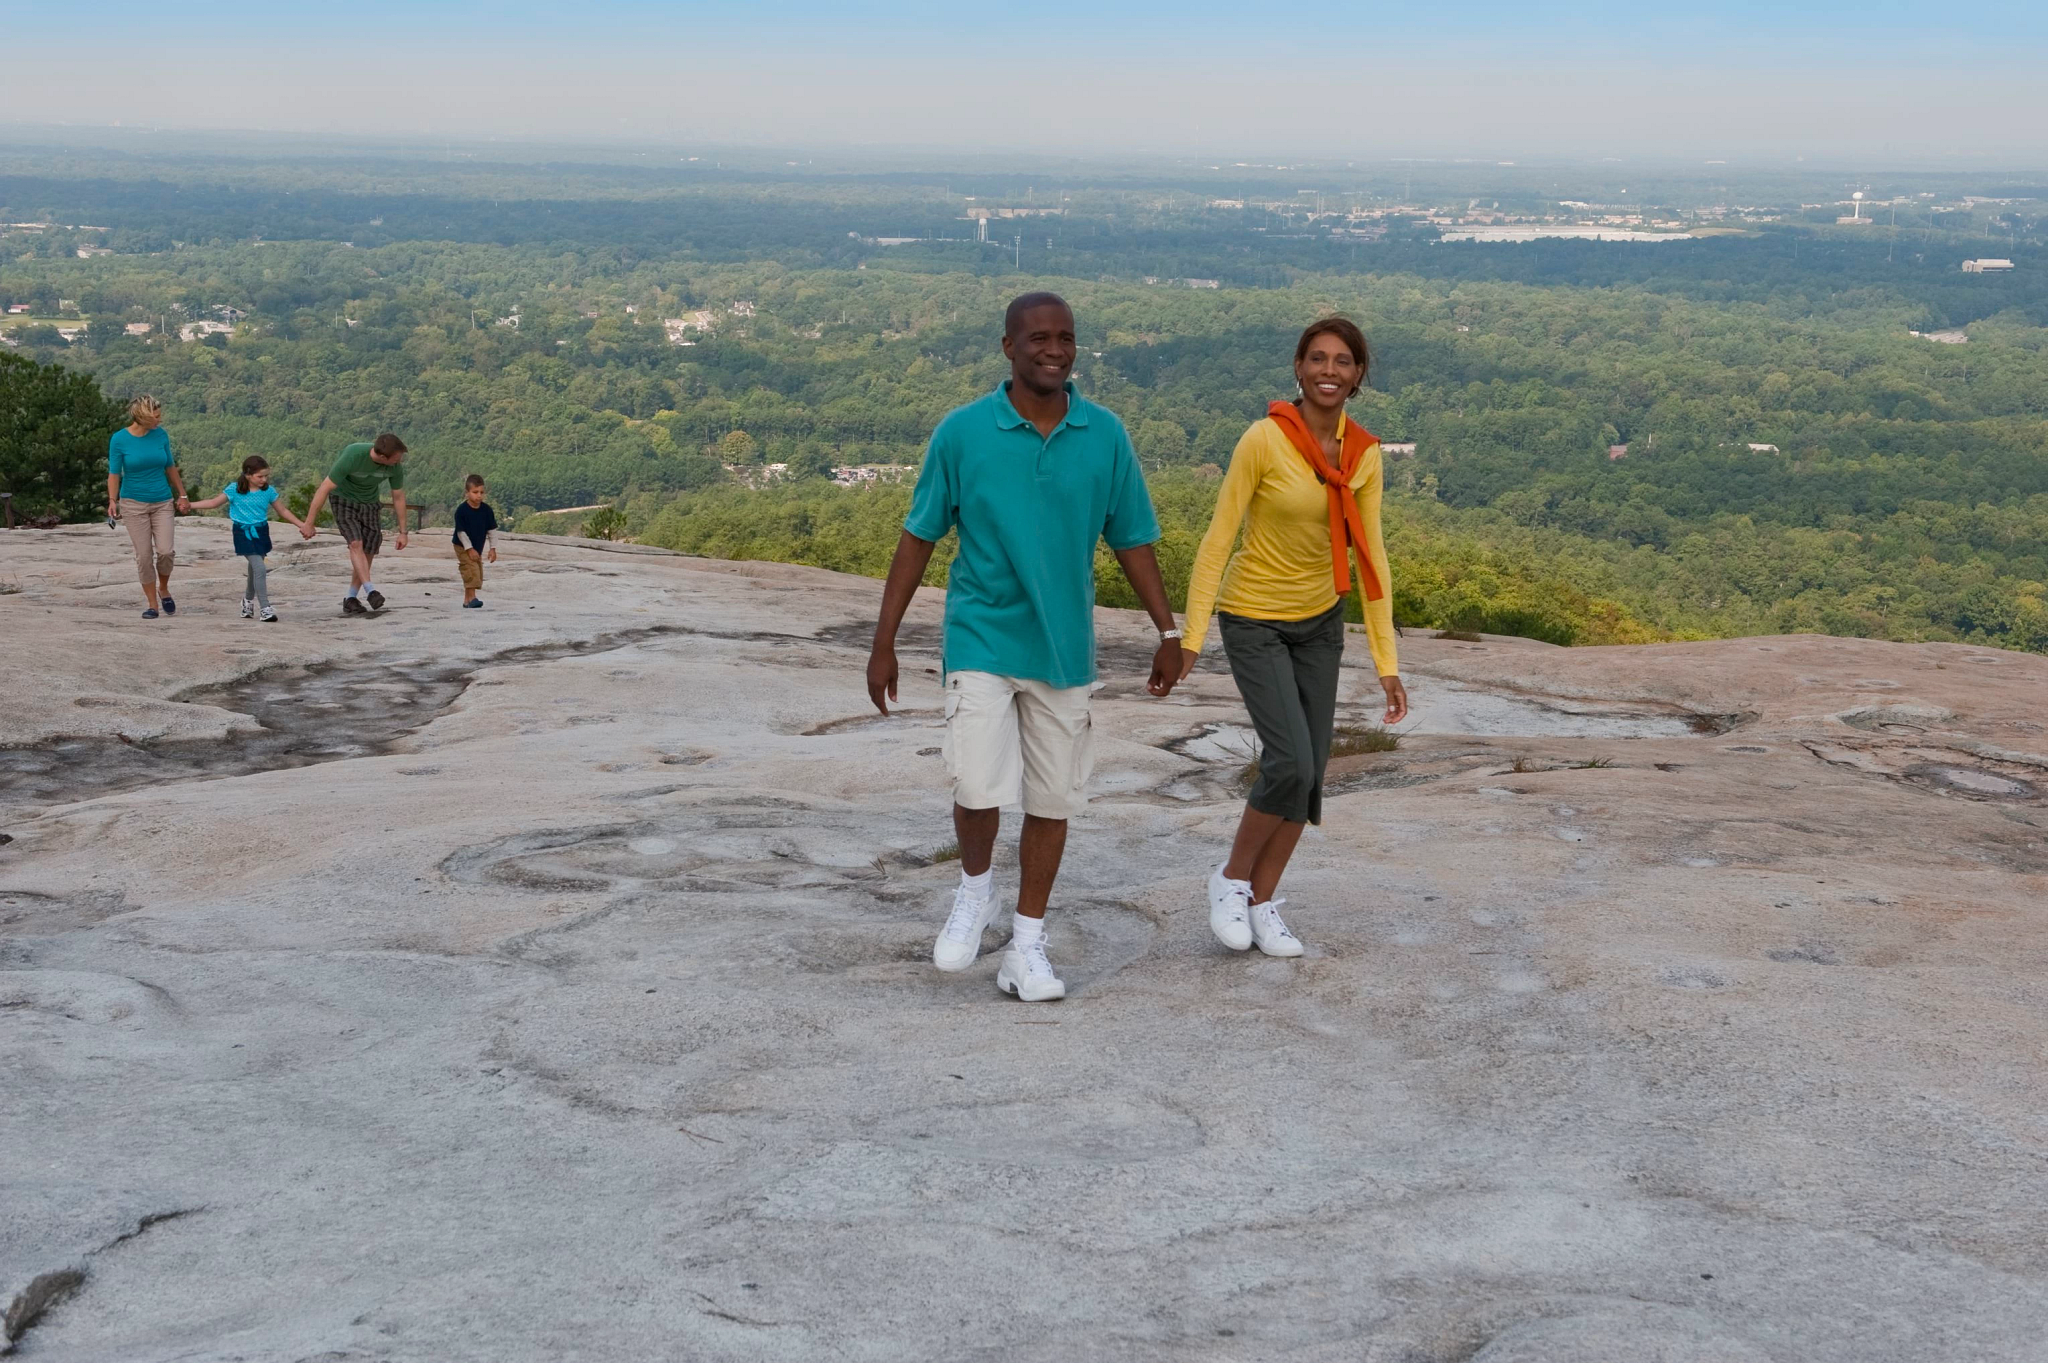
360 523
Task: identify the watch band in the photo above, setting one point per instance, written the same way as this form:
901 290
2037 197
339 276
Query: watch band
1166 634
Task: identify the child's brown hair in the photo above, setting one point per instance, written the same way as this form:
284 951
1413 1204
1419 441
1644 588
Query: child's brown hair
255 463
474 480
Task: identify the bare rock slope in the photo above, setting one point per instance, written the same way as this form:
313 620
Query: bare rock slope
550 981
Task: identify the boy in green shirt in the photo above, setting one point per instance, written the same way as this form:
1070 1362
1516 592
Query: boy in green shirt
359 511
1032 475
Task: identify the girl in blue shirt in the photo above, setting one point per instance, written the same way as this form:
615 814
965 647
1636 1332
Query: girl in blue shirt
249 500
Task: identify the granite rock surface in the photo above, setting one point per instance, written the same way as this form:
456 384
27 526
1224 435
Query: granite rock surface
551 981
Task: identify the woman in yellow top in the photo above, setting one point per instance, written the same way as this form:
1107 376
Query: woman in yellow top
1304 485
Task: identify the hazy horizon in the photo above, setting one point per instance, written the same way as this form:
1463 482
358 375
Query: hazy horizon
1892 82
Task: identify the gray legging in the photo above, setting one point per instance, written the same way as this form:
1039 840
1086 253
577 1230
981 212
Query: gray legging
1286 670
259 579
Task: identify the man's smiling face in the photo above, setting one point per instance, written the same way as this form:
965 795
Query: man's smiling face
1041 348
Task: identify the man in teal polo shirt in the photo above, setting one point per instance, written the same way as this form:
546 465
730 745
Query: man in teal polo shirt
1032 475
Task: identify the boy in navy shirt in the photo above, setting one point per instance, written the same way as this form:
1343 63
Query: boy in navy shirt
475 523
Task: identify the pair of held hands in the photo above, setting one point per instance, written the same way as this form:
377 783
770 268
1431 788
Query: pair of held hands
306 531
1170 666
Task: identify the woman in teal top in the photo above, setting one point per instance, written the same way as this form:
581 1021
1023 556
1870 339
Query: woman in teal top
144 490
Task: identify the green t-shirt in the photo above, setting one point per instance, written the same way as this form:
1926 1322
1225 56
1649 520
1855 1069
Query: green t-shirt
356 475
1020 598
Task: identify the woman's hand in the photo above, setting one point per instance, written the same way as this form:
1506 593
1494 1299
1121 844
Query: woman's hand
1397 700
184 506
1188 659
113 511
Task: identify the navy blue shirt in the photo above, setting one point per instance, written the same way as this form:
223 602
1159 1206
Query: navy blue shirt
475 522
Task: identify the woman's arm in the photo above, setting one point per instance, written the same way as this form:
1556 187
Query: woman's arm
1379 615
1232 500
220 499
113 496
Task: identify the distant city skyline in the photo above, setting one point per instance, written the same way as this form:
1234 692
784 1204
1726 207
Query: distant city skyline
1893 77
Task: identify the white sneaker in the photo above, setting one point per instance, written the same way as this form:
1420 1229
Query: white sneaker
1027 973
960 940
1273 935
248 607
1230 903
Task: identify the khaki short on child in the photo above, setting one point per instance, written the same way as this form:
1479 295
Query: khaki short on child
1013 740
472 565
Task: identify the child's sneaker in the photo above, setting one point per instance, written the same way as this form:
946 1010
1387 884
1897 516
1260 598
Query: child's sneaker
351 606
269 616
248 607
375 598
475 604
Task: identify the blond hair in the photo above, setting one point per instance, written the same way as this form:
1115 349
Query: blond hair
145 405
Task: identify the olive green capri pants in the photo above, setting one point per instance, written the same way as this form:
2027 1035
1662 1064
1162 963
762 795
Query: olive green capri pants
1286 670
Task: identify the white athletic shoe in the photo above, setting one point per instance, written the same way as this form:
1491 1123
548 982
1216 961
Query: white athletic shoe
960 940
1027 973
1230 903
1273 935
248 607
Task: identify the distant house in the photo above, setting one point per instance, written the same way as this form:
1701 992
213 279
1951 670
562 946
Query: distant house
1397 449
16 309
1985 266
1203 283
1955 336
1617 452
1755 448
138 328
88 252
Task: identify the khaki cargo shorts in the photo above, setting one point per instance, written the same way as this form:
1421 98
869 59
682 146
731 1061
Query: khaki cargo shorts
1013 740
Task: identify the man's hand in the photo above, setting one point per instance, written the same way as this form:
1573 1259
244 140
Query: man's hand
306 528
1397 700
1166 667
882 676
401 537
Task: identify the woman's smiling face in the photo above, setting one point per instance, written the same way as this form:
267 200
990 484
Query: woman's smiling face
1328 373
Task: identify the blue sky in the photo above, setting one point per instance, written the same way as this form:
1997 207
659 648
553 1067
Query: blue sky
1482 78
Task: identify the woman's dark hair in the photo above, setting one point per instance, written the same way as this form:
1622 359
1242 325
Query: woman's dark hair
255 463
1345 330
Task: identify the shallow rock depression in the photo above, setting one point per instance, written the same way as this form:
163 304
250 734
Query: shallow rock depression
552 981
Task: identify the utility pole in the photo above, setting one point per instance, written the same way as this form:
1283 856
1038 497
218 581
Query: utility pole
1018 260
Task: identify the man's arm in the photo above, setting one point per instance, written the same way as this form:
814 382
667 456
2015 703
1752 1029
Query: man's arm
398 506
313 507
906 571
1141 567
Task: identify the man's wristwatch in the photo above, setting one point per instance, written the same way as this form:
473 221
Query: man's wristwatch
1166 634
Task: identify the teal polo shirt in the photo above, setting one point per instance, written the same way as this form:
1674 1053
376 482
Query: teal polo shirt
1020 601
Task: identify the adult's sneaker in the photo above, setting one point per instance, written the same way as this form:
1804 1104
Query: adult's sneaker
376 600
351 606
248 607
959 941
1027 973
1271 931
1230 904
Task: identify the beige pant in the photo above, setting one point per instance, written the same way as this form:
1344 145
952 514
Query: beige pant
1012 740
151 527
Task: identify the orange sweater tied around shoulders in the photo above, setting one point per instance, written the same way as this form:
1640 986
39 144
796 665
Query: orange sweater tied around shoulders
1347 527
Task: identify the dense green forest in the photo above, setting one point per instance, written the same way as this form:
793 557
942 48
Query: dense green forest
1796 457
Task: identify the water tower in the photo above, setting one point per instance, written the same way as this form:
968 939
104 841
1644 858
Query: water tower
1856 200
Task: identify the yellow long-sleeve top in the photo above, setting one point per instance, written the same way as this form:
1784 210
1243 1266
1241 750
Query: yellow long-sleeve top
1283 570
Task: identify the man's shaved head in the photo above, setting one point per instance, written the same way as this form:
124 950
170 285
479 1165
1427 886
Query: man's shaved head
1013 316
